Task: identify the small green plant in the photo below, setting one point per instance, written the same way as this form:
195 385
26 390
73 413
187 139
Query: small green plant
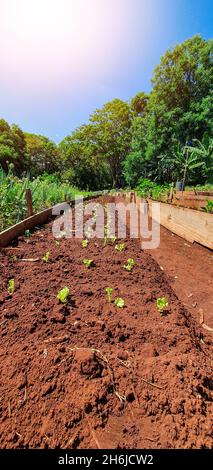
109 292
209 207
46 257
63 295
84 243
119 302
120 247
88 262
57 242
113 239
130 264
11 286
14 258
162 304
27 233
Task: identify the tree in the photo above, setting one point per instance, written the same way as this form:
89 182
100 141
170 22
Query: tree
111 134
12 147
43 154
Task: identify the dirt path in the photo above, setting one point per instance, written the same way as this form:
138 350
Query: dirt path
90 374
190 270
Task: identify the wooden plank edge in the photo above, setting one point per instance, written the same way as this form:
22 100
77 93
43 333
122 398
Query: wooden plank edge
30 223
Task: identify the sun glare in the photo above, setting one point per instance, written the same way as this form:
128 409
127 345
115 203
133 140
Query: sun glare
61 38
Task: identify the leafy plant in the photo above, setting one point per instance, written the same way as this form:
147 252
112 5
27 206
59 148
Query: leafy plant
209 207
162 304
46 257
113 239
14 258
119 302
63 295
27 233
88 262
109 292
11 286
57 242
120 247
130 264
84 243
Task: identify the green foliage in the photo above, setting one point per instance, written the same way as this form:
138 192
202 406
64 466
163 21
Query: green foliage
209 207
45 193
147 189
45 258
11 286
63 295
88 262
119 302
130 264
109 292
84 243
120 247
162 304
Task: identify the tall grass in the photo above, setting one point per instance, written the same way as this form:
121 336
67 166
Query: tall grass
46 191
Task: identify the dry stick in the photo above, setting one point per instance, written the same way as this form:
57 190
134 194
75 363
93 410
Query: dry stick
206 327
153 385
92 432
4 321
30 260
9 409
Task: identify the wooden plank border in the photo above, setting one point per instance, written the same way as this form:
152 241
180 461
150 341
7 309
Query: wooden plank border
190 224
29 223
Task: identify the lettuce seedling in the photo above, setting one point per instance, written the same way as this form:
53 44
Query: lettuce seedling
113 239
120 247
162 304
87 262
63 295
130 264
109 292
57 243
46 257
84 243
27 233
11 286
119 302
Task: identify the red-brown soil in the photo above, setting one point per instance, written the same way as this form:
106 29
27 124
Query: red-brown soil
90 374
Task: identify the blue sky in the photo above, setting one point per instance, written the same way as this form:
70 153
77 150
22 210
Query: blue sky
61 59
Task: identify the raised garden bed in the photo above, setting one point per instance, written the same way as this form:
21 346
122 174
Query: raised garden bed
90 374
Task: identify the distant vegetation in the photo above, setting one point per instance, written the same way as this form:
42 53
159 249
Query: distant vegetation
46 191
158 136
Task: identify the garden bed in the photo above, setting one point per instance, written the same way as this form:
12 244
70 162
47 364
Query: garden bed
90 374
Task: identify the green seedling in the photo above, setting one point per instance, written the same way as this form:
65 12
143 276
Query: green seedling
63 295
120 247
209 207
84 243
109 292
119 302
57 243
14 258
89 233
162 304
113 239
130 264
11 286
27 233
88 262
46 257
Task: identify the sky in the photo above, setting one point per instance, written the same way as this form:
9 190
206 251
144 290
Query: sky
62 59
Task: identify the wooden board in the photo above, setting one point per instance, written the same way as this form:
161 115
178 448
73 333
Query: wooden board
192 225
31 222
